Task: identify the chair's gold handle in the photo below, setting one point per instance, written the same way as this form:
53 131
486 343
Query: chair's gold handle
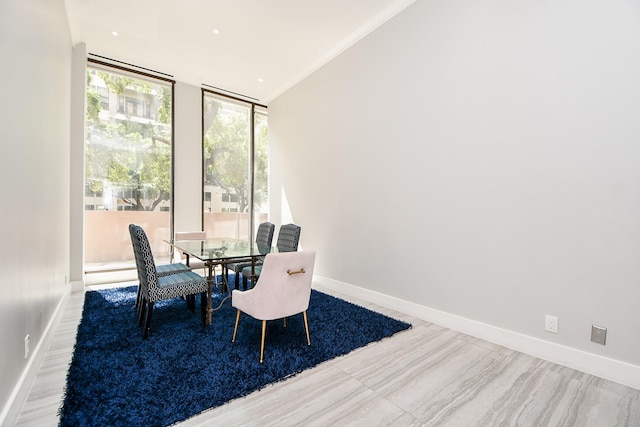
289 272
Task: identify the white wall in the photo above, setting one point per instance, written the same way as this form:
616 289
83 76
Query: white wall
481 159
35 48
76 160
187 148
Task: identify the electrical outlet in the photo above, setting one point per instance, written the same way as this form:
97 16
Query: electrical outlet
598 334
551 323
26 346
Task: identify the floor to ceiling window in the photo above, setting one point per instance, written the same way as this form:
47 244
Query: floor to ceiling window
235 144
127 164
261 167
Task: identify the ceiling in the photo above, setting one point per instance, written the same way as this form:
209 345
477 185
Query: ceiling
254 48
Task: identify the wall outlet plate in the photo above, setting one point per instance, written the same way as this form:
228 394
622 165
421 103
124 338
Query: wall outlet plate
551 323
598 334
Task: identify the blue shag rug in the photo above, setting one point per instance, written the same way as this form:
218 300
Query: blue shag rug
118 379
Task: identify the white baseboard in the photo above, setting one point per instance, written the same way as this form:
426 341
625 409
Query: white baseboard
600 366
13 406
77 286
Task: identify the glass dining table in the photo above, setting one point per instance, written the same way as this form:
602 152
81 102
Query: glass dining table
220 252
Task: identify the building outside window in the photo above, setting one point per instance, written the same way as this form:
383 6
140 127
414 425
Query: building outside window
235 163
127 164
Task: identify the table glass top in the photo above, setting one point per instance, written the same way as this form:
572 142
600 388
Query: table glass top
217 249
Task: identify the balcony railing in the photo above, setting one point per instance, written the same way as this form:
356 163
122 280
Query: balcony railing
108 244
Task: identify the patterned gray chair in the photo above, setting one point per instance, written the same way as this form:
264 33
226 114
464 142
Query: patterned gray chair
288 239
154 288
264 238
161 270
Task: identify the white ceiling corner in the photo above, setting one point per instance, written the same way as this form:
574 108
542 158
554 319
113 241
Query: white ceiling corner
281 41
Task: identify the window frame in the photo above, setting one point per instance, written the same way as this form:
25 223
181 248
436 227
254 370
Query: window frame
253 107
130 70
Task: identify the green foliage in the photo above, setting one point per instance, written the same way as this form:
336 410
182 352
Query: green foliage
164 97
261 159
226 153
93 101
132 158
93 106
118 84
141 171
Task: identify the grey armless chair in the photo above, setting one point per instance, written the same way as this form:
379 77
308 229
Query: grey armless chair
288 239
154 288
264 238
161 270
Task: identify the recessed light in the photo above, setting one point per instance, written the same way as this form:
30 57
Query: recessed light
215 31
114 33
260 80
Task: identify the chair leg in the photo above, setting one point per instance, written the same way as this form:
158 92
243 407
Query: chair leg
306 326
284 322
235 329
141 309
191 303
203 308
236 280
264 331
138 297
147 322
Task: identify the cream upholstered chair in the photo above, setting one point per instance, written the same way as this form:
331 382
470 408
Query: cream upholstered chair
178 256
284 289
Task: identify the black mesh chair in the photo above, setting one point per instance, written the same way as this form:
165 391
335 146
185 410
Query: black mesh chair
154 288
264 238
288 239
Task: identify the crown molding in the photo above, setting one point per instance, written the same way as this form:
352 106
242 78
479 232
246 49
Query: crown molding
371 25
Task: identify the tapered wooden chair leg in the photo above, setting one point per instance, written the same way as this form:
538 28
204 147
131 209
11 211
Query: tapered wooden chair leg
235 329
264 331
306 326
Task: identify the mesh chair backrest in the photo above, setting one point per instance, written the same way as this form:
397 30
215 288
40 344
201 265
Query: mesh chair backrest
264 236
288 238
144 258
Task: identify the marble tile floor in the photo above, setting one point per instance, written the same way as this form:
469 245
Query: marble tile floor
426 376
